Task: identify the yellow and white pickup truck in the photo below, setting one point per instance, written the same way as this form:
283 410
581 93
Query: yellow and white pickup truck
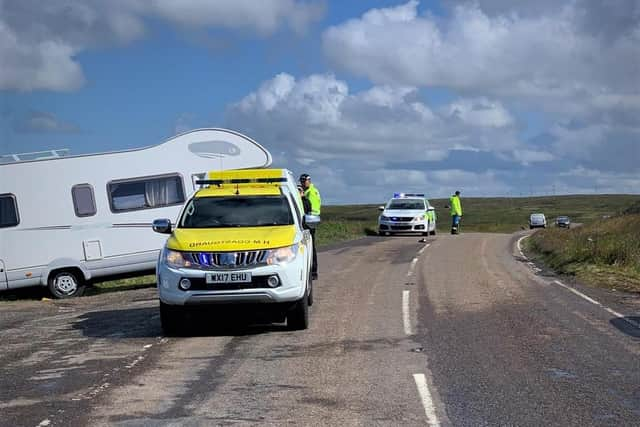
241 239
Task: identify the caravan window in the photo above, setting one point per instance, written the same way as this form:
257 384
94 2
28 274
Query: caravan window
145 193
84 202
8 211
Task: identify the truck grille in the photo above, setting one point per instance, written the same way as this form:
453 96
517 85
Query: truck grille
228 259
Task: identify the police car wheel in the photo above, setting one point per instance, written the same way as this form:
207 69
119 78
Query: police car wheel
432 232
65 284
171 318
298 316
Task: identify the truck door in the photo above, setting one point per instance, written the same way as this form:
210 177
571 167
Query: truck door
3 277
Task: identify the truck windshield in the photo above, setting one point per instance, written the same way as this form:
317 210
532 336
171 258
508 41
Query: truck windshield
406 204
237 211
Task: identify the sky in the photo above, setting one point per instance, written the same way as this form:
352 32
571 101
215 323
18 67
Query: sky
489 97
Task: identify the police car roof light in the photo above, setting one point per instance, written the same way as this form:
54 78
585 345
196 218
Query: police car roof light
401 195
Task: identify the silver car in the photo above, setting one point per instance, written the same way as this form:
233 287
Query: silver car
537 220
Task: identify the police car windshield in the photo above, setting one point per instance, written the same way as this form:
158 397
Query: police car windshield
236 211
406 204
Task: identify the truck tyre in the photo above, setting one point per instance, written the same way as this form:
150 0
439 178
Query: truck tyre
171 318
298 316
310 297
65 284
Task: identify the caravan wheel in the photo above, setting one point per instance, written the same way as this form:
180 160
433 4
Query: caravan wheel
65 284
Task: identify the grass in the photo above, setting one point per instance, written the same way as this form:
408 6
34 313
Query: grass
604 253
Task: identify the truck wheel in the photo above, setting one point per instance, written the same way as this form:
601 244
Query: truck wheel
171 318
298 316
65 284
310 297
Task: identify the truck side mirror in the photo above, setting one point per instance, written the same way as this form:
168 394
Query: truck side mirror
311 221
162 226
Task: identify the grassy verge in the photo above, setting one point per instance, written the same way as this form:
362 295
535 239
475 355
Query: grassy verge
604 253
122 285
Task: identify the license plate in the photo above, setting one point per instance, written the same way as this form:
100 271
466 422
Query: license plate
229 277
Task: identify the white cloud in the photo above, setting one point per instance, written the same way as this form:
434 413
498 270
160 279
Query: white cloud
43 122
542 58
40 41
317 117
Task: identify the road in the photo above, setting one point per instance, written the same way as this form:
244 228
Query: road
456 330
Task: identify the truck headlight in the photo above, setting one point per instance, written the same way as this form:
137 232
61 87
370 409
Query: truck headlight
175 259
282 255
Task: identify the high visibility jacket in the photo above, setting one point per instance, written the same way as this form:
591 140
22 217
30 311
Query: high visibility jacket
313 195
431 215
456 207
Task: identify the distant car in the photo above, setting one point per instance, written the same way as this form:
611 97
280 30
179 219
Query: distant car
537 220
563 221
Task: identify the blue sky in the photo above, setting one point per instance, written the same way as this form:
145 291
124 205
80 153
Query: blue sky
491 97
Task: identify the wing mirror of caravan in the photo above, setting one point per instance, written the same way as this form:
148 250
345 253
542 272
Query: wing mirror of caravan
311 221
162 226
380 208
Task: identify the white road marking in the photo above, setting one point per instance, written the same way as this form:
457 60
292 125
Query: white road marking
425 397
580 294
423 248
412 266
406 319
592 301
44 423
520 246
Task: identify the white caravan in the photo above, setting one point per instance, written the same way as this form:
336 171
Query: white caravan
67 221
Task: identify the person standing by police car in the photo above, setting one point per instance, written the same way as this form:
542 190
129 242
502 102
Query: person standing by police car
456 212
312 194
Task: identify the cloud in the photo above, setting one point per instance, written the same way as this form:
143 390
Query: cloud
540 58
317 117
40 41
43 122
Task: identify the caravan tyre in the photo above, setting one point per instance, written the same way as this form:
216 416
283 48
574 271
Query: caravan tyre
65 284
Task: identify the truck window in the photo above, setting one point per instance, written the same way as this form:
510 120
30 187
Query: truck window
8 211
236 211
145 193
84 202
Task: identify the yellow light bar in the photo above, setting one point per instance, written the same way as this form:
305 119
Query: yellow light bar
250 174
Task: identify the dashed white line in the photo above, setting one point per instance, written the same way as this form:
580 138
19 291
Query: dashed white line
425 397
412 266
406 319
592 301
423 248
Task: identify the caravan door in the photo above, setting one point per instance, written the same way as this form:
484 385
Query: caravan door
3 277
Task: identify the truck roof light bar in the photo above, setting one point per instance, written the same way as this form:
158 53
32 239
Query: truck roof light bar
240 181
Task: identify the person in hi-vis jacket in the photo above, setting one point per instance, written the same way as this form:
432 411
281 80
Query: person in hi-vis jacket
456 212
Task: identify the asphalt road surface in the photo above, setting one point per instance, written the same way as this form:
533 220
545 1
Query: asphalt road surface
456 330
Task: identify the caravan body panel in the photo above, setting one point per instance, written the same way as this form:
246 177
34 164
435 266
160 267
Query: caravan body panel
109 234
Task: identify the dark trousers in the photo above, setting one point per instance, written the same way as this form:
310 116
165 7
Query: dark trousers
314 265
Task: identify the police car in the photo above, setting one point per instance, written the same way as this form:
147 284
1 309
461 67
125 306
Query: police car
407 213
